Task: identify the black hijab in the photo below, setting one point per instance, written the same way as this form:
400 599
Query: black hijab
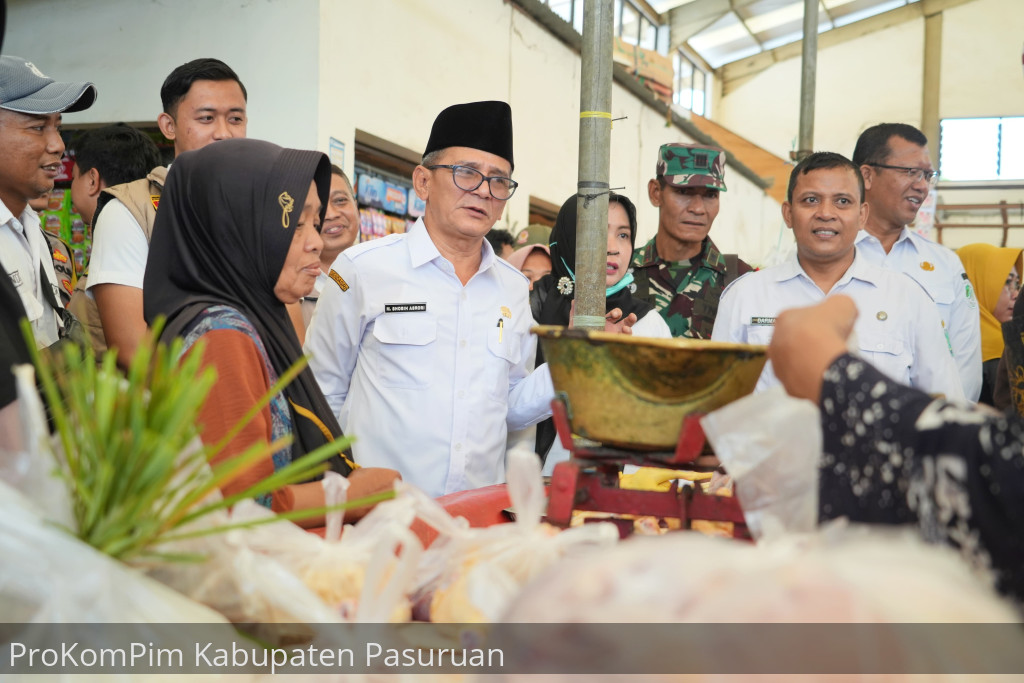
227 216
554 309
551 307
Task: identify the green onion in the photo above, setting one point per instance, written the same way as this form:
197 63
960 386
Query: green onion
135 470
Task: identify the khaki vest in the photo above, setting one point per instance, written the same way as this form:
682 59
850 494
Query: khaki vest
141 198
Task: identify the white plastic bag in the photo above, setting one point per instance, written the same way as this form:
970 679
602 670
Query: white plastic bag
362 574
33 470
470 575
770 443
48 575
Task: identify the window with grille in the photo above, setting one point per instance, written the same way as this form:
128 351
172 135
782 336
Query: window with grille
982 148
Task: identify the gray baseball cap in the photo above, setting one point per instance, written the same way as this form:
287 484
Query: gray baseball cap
26 89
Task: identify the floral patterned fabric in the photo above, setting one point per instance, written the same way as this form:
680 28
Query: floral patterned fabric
894 455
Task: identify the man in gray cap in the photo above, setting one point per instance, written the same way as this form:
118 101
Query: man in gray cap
31 105
680 271
422 345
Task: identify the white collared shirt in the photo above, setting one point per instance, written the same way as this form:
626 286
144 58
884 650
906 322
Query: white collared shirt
939 270
22 249
897 330
423 371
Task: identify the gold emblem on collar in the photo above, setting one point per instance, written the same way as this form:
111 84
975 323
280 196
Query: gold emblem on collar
927 265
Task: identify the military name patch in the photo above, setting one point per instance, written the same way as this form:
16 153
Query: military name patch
405 308
762 320
338 280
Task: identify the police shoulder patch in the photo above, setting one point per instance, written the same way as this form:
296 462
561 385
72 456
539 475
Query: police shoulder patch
338 280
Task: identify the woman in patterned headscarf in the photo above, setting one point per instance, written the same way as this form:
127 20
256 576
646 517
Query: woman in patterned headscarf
236 238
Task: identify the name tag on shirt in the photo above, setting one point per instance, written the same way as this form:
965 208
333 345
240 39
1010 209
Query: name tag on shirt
405 308
762 320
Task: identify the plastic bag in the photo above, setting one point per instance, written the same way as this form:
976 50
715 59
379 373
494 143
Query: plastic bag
840 574
770 443
48 575
32 470
470 575
364 574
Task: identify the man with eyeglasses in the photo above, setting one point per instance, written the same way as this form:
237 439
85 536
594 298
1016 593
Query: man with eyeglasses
422 345
898 175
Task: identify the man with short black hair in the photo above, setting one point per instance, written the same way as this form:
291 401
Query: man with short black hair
31 148
204 101
501 242
898 176
898 329
104 157
108 156
680 270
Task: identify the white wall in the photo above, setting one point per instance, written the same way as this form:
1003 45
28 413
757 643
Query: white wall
128 47
878 78
317 69
466 50
859 83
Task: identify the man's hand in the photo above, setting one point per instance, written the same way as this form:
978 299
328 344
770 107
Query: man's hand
806 342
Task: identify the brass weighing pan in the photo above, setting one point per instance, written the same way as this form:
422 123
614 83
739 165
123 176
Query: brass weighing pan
634 392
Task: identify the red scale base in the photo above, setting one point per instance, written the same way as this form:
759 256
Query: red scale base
590 481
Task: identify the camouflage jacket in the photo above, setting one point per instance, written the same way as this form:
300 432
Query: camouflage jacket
686 293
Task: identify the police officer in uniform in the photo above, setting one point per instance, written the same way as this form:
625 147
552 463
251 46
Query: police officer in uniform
680 271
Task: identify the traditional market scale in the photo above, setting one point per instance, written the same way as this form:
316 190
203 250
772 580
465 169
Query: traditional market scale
623 400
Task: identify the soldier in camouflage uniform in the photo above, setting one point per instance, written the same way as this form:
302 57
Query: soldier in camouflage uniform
680 271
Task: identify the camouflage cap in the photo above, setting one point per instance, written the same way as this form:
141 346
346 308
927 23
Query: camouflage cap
686 165
535 233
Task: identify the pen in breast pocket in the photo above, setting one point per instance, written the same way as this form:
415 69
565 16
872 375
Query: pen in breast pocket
501 328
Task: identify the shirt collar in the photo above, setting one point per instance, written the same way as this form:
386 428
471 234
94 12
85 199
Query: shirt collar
423 250
28 220
791 268
5 214
905 235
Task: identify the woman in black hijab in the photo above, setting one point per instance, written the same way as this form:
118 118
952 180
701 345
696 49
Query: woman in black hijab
235 239
552 295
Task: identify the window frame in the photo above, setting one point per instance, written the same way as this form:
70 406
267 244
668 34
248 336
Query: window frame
1000 151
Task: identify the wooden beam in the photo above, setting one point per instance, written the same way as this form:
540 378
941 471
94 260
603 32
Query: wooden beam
736 73
651 12
932 83
689 20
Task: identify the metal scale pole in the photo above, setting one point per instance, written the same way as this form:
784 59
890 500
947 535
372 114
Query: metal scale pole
594 160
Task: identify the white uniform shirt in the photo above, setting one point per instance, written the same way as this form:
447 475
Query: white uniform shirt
22 249
942 275
119 248
897 330
424 372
